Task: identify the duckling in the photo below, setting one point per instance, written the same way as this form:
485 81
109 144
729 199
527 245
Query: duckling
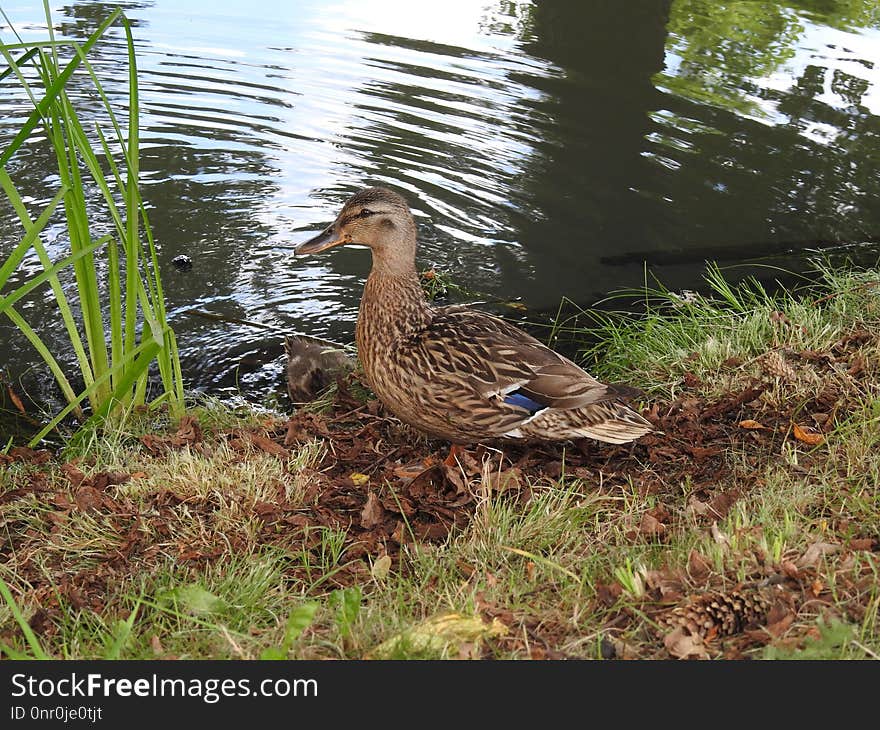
312 367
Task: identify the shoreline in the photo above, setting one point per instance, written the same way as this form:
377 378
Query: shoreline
746 528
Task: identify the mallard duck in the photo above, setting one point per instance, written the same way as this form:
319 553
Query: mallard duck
311 367
454 372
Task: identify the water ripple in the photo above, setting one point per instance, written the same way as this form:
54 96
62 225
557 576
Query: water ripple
543 157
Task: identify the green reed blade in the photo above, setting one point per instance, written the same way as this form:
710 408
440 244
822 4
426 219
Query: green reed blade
151 299
78 229
114 368
23 59
60 298
25 289
153 282
30 236
43 351
84 148
132 158
55 88
136 362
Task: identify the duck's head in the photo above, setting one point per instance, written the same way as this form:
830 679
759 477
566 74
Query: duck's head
374 217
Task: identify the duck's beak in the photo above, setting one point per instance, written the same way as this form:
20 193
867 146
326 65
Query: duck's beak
328 238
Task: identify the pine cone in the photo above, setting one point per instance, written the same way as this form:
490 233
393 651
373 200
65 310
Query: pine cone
775 366
719 614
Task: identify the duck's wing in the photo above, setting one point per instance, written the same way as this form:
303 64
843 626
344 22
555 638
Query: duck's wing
472 351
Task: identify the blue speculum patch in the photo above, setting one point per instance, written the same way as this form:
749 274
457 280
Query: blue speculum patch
516 398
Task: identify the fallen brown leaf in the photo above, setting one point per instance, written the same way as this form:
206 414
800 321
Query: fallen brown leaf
454 476
862 543
16 401
39 621
373 512
683 645
156 645
778 628
73 473
608 593
701 453
730 403
154 444
62 502
856 367
106 479
622 649
816 551
57 518
268 445
88 498
753 425
808 437
666 582
188 431
410 471
722 502
651 526
696 508
698 567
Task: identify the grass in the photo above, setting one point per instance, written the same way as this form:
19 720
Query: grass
599 561
697 332
116 322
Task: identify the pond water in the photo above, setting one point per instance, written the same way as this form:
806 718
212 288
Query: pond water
549 150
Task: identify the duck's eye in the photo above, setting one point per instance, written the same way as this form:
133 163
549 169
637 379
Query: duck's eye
365 213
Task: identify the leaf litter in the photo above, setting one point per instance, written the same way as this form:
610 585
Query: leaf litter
381 487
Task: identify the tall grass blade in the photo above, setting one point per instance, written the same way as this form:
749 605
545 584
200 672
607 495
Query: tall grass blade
29 635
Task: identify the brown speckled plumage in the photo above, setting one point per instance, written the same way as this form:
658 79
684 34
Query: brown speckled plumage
448 370
311 367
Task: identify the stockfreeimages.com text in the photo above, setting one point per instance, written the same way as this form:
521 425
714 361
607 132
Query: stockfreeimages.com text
209 690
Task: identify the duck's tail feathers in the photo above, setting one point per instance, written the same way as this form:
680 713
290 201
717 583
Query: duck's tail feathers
609 421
